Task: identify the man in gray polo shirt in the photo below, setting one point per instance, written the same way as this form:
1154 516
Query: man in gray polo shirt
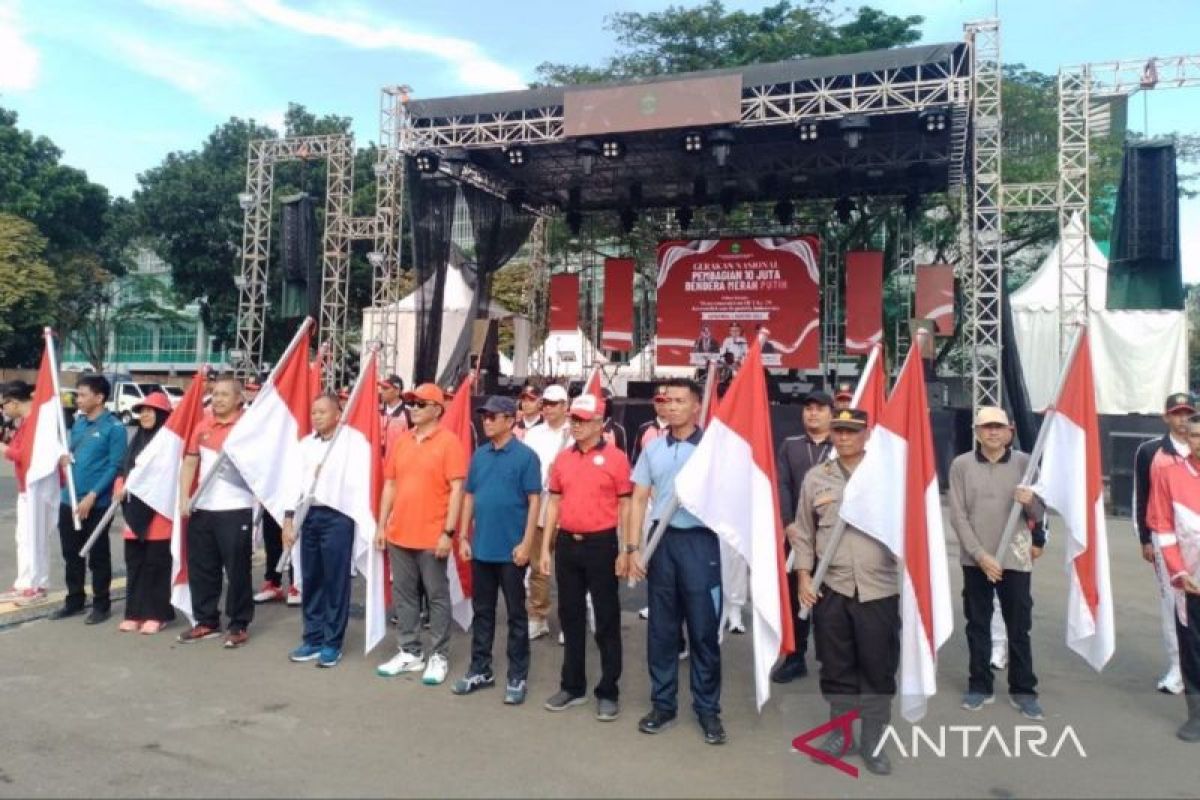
983 485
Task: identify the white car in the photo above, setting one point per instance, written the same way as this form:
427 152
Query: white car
175 393
126 395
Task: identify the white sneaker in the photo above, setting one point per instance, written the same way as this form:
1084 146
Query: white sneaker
561 641
999 657
294 598
435 673
645 612
538 628
735 620
1171 682
401 662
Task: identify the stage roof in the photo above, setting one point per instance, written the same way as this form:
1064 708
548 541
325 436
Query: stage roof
868 111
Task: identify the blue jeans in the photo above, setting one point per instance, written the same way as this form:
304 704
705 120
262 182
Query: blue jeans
326 546
684 584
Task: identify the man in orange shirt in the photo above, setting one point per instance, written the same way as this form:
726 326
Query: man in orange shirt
421 502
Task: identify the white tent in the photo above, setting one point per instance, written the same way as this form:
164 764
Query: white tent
564 354
1139 357
458 304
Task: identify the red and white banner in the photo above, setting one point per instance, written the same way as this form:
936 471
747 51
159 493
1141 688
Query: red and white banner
708 287
564 303
871 393
730 484
154 479
864 301
1070 483
893 496
935 296
457 420
269 431
350 481
618 304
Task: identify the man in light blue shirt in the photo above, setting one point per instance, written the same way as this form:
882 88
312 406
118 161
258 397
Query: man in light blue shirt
683 576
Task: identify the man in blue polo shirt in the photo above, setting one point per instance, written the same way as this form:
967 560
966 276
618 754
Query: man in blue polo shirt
504 486
684 574
97 444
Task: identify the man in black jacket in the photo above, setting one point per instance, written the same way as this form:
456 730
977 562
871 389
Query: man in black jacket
797 455
1151 456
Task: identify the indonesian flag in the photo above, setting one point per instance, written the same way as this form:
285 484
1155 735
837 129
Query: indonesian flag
710 394
893 496
1069 482
593 386
268 434
730 484
871 393
350 481
39 446
154 480
457 420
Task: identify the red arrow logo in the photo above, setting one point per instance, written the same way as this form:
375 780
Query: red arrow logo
846 723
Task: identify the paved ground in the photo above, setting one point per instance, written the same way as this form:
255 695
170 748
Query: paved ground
92 711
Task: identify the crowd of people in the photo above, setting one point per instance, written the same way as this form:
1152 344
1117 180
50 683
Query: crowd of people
550 493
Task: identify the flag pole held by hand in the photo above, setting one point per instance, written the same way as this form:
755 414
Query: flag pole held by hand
100 529
835 541
62 426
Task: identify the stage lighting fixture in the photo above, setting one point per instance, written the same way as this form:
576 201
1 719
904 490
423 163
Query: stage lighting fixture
239 281
246 200
843 208
853 127
784 212
683 216
454 159
375 259
516 156
693 142
933 120
612 149
587 150
628 219
427 162
807 131
721 141
574 219
380 168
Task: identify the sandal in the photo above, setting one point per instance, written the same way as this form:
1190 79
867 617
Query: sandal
152 626
129 625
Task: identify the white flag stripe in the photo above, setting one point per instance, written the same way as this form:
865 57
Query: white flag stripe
738 503
47 446
155 474
266 436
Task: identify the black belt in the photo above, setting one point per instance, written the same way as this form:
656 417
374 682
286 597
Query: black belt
579 537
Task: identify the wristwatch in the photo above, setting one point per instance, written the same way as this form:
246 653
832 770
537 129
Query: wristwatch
449 534
630 548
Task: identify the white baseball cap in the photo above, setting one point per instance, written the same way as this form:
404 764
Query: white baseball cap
554 394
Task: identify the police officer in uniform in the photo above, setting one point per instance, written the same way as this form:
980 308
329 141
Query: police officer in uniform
856 611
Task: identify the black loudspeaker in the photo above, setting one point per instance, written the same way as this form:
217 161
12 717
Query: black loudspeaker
1144 269
301 267
640 390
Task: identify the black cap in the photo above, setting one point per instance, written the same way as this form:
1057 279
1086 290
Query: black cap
498 405
852 419
394 381
818 396
1179 401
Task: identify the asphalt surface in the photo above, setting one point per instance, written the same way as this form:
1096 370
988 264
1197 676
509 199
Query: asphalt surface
90 711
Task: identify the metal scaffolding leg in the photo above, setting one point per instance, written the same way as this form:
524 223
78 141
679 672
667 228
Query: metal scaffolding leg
537 288
1074 225
256 249
905 281
335 263
389 219
833 318
986 217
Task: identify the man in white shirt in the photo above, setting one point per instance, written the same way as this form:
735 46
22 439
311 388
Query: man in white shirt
547 440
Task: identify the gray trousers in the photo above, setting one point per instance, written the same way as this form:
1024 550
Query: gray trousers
411 569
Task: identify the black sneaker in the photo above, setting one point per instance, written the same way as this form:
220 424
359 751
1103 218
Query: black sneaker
876 763
97 616
561 701
472 682
835 745
714 731
62 612
656 721
793 668
607 710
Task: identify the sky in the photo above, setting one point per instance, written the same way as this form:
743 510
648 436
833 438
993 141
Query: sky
118 84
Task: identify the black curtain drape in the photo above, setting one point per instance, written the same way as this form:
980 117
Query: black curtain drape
431 217
499 229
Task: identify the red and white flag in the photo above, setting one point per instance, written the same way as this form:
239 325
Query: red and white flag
268 433
871 393
154 479
893 496
710 396
350 481
593 384
730 484
457 420
1070 483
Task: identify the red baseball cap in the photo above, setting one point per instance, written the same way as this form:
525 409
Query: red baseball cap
156 400
587 406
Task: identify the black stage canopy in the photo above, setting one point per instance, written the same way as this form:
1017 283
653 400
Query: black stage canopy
887 122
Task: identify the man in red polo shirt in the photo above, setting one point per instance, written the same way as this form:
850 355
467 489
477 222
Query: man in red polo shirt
219 533
589 489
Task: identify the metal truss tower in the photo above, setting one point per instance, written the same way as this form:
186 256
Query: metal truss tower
985 268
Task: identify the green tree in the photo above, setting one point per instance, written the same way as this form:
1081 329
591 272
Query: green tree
707 36
27 287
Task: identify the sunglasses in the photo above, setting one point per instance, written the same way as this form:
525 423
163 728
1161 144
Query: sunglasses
489 416
423 403
580 421
552 403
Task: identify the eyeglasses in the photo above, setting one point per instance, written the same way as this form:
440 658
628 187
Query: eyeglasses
994 426
489 416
